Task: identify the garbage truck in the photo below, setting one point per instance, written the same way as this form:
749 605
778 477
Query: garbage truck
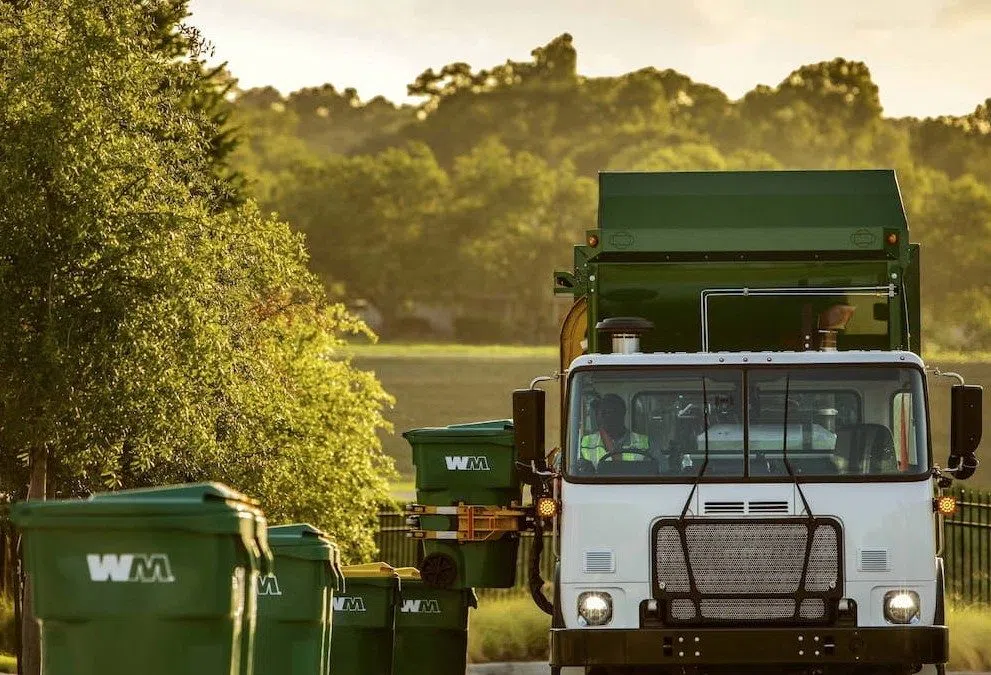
745 476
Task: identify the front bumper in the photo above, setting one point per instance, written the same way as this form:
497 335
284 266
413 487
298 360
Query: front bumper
749 646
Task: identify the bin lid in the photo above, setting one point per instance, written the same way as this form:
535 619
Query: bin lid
176 497
192 492
378 570
200 507
302 540
408 573
179 500
499 432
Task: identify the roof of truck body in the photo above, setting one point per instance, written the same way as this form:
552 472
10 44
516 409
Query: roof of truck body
808 358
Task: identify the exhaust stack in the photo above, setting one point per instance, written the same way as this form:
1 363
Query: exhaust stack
831 321
625 332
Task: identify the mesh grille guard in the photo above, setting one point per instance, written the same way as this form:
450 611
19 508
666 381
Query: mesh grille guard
731 571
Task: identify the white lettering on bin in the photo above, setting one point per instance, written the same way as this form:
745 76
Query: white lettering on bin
420 607
148 568
269 585
349 604
467 463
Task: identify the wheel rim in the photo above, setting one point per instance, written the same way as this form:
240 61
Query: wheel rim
438 570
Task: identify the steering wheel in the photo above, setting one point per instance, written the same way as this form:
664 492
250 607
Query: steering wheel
622 451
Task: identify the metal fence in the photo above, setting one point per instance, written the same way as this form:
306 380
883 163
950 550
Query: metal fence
967 549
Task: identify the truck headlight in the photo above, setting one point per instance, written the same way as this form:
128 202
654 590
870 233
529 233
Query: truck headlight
901 607
594 608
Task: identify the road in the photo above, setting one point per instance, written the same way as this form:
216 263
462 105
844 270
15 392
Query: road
543 669
509 669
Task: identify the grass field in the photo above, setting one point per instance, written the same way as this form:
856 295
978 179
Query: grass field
436 385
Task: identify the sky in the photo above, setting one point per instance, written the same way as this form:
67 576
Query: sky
928 57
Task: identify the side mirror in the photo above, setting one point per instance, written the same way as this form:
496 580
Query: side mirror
528 425
966 421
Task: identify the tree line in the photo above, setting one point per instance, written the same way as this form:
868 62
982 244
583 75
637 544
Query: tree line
468 199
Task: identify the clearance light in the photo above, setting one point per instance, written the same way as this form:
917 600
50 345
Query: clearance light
546 507
946 506
892 238
593 240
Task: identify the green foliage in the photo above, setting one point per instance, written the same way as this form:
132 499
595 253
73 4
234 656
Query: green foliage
8 628
970 628
151 332
510 629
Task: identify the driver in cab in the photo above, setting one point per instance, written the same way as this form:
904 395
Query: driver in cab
612 435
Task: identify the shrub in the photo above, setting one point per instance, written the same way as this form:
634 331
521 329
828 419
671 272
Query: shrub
510 629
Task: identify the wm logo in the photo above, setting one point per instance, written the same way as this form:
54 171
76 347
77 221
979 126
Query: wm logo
420 607
467 463
269 585
346 604
146 568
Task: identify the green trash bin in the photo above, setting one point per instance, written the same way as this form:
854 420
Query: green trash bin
467 464
364 617
156 581
295 604
431 628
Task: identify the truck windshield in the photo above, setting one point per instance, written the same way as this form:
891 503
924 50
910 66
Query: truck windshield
826 422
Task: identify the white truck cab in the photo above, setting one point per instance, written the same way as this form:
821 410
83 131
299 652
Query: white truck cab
782 512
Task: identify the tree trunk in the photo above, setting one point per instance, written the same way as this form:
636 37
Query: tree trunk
30 656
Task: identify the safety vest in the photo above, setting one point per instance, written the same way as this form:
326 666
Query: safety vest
593 448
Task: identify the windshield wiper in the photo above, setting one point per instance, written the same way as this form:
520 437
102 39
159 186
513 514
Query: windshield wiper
784 451
705 460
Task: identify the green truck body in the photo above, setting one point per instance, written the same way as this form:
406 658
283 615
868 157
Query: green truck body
663 239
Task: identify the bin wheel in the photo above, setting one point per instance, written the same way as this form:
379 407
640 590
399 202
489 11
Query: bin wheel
439 570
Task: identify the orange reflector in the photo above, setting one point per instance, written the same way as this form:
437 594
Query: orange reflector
892 238
947 506
546 507
593 240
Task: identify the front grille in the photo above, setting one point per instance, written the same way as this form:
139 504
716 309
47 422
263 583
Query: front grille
771 570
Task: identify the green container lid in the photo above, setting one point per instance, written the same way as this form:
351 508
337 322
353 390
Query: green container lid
497 432
199 507
302 541
305 542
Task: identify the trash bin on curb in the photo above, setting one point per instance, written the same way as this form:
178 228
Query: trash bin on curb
471 464
295 604
431 628
364 620
156 581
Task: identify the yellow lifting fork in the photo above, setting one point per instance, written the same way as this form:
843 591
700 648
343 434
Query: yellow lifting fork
475 523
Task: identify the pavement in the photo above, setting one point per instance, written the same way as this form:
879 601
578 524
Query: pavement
544 669
509 669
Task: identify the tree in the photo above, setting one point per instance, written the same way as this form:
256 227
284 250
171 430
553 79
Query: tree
148 333
514 219
371 224
203 89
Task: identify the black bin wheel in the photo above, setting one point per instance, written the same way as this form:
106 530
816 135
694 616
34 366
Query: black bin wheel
439 570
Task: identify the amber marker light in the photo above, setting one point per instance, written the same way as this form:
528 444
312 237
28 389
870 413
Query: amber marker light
946 506
546 507
593 240
892 238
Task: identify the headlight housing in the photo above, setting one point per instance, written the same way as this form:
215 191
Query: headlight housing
902 607
594 608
